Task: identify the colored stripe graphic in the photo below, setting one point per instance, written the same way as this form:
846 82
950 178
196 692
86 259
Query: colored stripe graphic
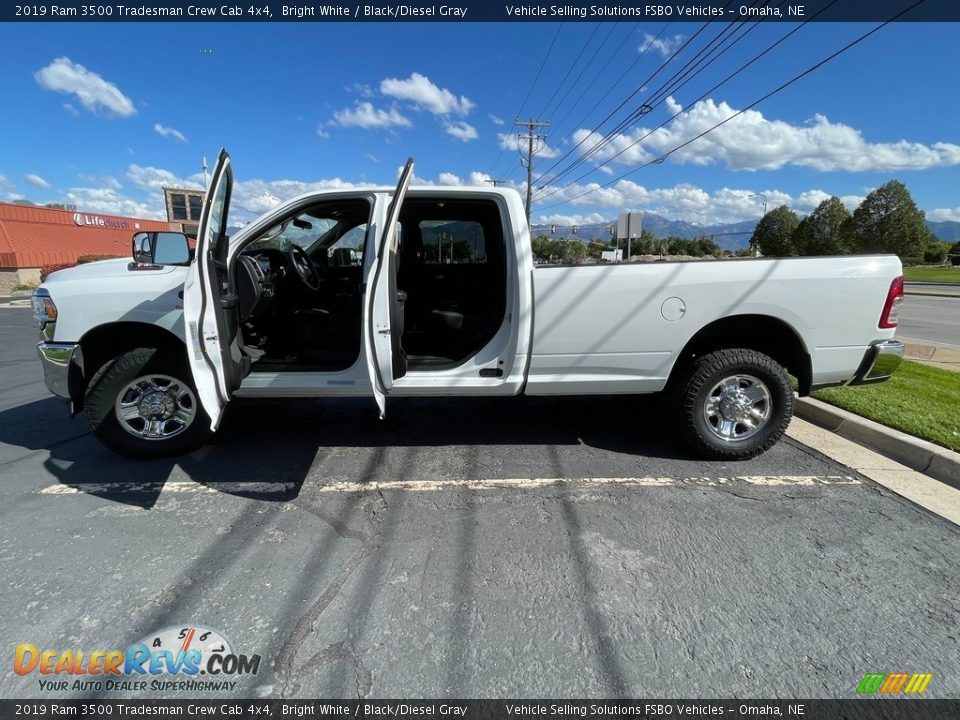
918 683
871 683
894 683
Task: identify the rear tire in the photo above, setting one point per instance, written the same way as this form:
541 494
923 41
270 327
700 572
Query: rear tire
733 404
143 404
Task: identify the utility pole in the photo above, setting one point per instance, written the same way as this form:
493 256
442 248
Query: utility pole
532 138
203 167
495 182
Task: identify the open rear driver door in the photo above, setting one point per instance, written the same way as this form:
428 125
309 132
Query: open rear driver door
383 304
210 303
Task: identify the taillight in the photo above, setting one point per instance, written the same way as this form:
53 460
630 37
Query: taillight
891 308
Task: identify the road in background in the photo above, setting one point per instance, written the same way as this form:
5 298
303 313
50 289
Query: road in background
440 583
933 319
919 288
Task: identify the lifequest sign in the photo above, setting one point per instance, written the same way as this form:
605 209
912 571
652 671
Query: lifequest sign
84 220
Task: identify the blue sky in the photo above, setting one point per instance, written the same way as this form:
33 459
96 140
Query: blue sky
104 115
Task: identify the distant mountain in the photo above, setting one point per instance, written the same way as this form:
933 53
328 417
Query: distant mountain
729 236
946 230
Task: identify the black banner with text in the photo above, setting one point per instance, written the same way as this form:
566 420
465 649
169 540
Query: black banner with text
251 709
485 11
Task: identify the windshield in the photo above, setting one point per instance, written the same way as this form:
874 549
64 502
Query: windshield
338 230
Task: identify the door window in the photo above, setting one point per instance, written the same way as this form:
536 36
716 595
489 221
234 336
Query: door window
453 242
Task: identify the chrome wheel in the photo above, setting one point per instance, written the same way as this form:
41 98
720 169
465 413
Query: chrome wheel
738 407
156 407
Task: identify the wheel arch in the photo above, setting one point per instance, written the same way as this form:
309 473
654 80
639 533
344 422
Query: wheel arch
763 333
103 343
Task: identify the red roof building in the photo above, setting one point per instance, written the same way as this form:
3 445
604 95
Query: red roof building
31 236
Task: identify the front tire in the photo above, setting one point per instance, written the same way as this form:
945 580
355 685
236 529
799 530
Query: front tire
144 404
733 404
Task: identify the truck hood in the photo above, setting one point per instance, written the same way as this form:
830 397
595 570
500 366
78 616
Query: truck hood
116 267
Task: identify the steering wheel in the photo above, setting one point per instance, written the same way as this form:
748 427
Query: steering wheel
306 272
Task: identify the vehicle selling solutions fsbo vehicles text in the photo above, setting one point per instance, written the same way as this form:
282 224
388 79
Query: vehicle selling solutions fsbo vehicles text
584 11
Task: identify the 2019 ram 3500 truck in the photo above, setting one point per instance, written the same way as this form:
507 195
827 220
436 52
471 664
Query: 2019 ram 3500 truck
433 291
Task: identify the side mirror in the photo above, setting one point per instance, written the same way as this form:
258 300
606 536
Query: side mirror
160 248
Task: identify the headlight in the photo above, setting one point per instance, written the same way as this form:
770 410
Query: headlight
43 308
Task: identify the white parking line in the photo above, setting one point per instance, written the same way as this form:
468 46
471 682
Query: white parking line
181 486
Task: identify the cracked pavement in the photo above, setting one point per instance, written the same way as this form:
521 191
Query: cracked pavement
562 589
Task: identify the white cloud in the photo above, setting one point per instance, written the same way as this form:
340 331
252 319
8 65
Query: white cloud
570 220
419 90
808 201
37 181
97 95
322 133
508 141
365 115
941 214
752 142
462 131
5 183
689 202
449 179
152 178
666 46
110 202
371 157
495 120
171 132
71 109
361 89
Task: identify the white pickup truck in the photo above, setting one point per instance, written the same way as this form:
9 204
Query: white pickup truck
433 291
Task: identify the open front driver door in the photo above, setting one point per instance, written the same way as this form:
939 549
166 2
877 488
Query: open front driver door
383 305
210 303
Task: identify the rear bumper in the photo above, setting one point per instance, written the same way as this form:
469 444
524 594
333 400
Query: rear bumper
879 362
60 361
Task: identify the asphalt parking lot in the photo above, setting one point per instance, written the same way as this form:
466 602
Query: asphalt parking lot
522 547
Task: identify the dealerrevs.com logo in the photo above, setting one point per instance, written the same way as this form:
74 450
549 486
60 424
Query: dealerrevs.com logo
172 659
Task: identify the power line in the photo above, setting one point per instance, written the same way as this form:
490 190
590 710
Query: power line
583 49
752 105
680 78
673 117
630 96
604 67
530 89
670 119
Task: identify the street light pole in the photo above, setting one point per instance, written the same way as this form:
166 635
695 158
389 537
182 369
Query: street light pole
761 195
764 197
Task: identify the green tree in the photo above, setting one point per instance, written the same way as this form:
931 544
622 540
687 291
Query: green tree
774 233
705 246
825 231
889 221
571 251
936 252
543 248
646 244
595 248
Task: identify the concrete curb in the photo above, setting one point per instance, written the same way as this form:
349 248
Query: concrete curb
932 293
920 455
945 357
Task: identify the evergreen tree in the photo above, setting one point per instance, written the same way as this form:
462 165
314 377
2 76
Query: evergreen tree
774 233
889 221
825 231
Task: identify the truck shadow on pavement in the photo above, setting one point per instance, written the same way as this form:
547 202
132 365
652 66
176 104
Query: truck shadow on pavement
267 449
